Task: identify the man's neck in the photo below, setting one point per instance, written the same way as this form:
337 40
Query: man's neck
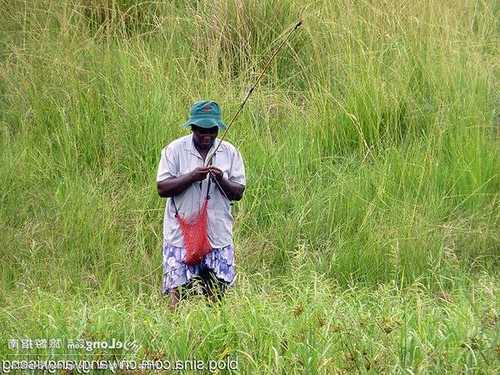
203 152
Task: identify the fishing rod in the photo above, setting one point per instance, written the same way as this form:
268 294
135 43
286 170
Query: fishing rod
250 91
195 232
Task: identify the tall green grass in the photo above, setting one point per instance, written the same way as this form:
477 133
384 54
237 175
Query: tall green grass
372 156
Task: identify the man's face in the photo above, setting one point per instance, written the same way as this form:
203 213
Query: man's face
204 138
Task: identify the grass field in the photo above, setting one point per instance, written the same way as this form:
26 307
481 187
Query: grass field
368 238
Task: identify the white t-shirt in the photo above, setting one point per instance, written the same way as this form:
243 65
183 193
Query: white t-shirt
181 157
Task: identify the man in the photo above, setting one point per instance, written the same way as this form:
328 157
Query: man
183 177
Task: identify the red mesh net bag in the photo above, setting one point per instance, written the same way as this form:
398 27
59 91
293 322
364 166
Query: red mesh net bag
195 232
195 235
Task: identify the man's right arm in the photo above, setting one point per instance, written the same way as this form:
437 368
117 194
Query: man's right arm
175 185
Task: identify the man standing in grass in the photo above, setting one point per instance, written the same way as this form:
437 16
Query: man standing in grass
182 178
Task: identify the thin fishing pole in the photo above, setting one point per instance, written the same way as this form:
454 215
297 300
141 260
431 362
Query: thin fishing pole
299 23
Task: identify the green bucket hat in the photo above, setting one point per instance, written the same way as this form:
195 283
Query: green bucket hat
205 114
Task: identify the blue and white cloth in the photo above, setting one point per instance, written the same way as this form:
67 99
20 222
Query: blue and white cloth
177 273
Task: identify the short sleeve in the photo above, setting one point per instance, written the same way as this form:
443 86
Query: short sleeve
237 172
168 164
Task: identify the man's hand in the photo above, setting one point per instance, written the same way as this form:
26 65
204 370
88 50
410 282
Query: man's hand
199 173
217 173
232 190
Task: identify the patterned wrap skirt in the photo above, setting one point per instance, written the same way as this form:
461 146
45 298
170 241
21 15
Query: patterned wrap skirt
176 273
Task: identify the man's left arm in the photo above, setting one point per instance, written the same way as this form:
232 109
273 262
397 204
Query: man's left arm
234 184
234 191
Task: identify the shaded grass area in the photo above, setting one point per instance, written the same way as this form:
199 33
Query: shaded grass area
372 154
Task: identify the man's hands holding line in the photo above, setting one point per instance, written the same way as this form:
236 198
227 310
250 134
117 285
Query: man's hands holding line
200 173
176 185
